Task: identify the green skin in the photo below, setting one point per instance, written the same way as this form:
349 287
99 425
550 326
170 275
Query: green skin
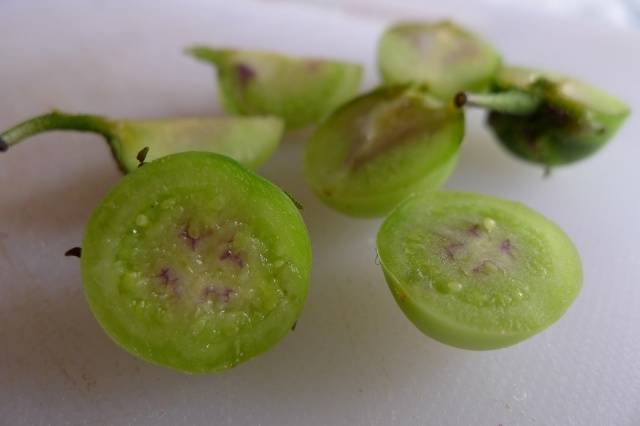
442 55
195 263
382 146
477 272
547 118
248 140
301 91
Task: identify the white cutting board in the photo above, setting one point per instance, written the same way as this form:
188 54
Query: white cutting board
354 359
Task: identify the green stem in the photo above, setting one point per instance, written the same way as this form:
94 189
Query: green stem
514 102
56 121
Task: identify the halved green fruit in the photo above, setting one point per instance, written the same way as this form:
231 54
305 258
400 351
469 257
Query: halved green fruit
195 263
382 146
477 272
563 121
443 55
301 91
248 140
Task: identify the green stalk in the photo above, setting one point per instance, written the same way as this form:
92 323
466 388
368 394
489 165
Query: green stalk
513 102
56 121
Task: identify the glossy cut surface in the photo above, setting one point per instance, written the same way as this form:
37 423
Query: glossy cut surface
382 146
194 263
477 272
301 91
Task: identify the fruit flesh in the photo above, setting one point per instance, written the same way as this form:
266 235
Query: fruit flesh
477 272
382 146
301 91
194 263
574 119
443 55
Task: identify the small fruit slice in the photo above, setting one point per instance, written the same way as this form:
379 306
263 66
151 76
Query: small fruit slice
302 91
382 146
195 263
564 120
477 272
443 55
248 140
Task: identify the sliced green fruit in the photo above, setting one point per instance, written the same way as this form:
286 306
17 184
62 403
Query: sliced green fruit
443 55
382 146
194 263
302 91
477 272
249 140
563 121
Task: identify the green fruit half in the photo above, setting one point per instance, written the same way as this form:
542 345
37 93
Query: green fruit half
571 121
301 91
382 146
443 55
194 263
477 272
248 140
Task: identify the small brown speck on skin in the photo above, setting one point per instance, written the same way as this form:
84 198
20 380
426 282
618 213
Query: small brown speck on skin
74 252
142 155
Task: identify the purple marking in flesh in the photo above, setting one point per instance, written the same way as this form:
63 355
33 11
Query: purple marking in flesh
245 74
168 279
506 247
452 248
223 294
227 254
475 230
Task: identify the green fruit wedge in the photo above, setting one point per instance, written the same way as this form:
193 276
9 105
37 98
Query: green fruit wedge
443 55
194 263
301 91
248 140
382 146
549 118
477 272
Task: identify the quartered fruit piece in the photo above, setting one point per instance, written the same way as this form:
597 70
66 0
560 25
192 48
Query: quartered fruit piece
248 140
195 263
477 272
302 91
382 146
443 55
548 118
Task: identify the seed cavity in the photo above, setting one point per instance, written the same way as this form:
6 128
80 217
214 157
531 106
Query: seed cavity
169 280
474 230
235 258
452 249
486 267
191 240
506 247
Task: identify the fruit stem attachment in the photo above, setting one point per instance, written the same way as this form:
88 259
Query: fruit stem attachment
514 102
56 121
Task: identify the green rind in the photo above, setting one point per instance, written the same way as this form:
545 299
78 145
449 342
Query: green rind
434 320
248 140
575 119
455 60
332 139
301 91
275 220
